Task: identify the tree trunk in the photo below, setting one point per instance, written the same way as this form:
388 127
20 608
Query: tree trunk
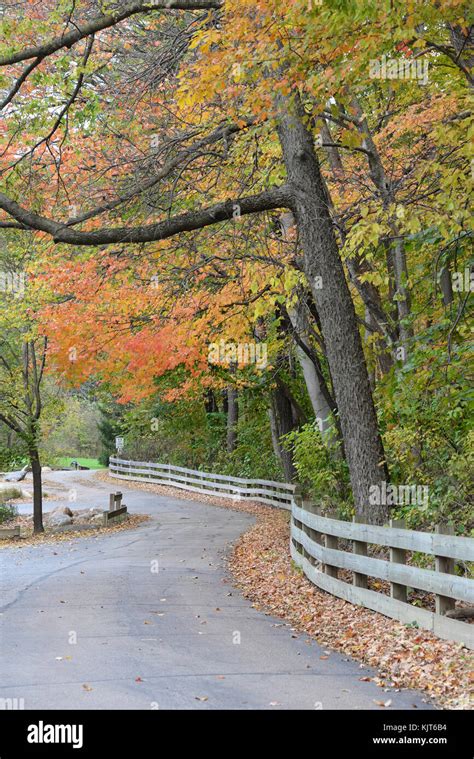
362 442
317 397
210 403
232 418
446 286
283 412
274 432
37 491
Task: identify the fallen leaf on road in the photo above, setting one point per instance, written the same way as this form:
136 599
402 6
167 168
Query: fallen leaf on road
201 698
87 687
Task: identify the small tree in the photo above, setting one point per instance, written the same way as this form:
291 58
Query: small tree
22 362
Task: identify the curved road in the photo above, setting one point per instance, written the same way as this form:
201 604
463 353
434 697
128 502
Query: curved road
91 624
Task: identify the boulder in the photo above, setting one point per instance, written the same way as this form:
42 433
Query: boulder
62 510
59 516
56 519
86 515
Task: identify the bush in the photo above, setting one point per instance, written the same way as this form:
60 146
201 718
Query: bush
321 470
7 511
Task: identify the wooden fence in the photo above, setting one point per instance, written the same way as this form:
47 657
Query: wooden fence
319 547
116 508
278 494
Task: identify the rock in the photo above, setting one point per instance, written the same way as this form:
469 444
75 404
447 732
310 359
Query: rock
59 516
86 515
57 519
97 519
62 510
16 476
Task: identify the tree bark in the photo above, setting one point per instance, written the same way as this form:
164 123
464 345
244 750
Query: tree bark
37 490
283 413
362 442
232 418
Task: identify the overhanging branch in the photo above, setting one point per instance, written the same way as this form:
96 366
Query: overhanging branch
105 21
278 197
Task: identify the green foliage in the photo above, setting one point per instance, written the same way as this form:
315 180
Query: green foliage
321 470
7 511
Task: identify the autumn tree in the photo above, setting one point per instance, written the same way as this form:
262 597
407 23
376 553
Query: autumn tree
219 83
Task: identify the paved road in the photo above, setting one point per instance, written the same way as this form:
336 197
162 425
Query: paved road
165 639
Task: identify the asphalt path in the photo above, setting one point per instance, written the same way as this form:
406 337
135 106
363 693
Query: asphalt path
149 619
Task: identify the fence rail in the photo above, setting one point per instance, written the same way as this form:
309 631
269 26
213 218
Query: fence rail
279 494
316 549
319 545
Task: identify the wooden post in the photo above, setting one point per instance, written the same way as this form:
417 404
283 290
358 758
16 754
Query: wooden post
330 541
298 495
304 529
446 565
398 556
359 547
111 501
314 535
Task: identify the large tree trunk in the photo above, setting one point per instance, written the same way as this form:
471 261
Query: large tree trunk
232 418
283 416
362 443
37 490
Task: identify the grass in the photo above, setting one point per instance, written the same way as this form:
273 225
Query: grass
6 494
91 463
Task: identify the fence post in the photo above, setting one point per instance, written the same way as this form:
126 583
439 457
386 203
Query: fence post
314 535
445 565
359 547
111 501
298 500
398 556
330 541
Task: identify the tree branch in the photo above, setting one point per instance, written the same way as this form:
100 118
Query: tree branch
278 197
105 21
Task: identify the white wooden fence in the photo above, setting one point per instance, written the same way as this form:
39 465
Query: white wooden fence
316 549
319 545
278 494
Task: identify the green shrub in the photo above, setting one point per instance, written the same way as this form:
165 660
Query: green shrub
321 470
7 511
